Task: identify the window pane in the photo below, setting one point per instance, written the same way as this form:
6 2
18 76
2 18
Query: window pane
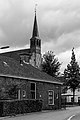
33 91
51 97
32 95
51 101
33 86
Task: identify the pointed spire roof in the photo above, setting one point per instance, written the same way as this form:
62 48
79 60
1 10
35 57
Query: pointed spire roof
35 27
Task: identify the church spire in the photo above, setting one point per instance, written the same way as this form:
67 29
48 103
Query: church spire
35 45
35 27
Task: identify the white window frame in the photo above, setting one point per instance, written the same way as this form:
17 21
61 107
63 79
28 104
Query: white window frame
49 96
35 89
19 95
24 95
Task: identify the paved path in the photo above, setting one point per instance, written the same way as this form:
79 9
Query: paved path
49 115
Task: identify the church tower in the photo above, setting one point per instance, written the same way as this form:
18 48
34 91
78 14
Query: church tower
35 45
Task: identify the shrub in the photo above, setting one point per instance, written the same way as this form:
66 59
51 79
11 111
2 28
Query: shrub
13 107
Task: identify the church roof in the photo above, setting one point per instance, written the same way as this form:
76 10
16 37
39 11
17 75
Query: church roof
16 53
12 68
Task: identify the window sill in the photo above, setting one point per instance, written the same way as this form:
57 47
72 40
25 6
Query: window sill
50 104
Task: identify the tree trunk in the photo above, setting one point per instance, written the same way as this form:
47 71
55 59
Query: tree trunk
73 96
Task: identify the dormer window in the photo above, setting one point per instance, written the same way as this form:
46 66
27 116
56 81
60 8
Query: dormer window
25 62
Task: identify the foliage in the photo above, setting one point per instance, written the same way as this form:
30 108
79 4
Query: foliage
3 93
71 74
8 92
13 107
13 91
50 64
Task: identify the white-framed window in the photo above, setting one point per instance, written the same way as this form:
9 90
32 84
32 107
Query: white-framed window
33 90
51 97
24 93
19 94
78 99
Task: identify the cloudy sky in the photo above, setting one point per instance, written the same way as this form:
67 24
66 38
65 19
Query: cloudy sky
58 22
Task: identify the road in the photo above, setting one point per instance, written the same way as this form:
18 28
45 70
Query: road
76 117
49 115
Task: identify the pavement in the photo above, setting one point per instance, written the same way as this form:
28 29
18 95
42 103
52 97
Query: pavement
47 115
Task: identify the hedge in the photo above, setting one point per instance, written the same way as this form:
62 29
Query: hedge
13 107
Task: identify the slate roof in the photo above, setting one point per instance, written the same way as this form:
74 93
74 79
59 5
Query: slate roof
12 67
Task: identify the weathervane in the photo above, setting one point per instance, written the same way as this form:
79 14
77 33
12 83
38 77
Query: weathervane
35 7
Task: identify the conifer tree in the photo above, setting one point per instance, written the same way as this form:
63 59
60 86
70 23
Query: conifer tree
71 74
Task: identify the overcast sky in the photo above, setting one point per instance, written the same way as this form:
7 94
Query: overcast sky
58 23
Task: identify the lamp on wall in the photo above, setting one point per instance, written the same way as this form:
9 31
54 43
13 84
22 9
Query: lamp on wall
40 96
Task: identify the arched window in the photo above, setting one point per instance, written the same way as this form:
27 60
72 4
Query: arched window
33 42
39 43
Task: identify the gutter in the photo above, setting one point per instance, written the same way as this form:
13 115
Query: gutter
28 78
